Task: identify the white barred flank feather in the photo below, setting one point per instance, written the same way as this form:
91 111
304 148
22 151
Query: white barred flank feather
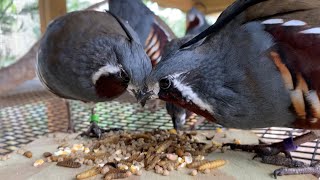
315 30
273 21
294 23
153 41
314 102
153 48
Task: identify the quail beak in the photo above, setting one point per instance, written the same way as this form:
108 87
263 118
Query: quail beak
142 97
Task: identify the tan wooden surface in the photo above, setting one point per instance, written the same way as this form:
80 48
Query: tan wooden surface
239 166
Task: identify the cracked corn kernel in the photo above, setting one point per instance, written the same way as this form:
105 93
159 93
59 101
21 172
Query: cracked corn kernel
173 131
172 157
88 173
166 173
207 171
38 162
194 172
236 141
219 130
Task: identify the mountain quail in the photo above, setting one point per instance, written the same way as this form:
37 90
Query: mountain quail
92 57
257 66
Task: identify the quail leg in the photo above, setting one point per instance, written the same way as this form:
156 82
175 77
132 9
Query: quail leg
94 131
71 128
279 160
177 123
315 170
286 146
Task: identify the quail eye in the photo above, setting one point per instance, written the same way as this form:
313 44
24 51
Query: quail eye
124 76
165 83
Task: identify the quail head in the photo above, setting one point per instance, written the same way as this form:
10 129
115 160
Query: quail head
91 56
155 35
196 22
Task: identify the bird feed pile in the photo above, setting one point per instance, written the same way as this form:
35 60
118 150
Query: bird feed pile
122 154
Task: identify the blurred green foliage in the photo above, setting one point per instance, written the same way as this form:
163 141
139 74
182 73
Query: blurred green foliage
174 18
9 15
12 20
74 5
17 16
7 8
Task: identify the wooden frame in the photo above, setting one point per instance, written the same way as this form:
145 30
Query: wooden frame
50 9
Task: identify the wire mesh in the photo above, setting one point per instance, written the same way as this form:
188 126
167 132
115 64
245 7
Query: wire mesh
26 116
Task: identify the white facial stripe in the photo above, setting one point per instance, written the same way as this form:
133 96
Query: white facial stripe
294 23
188 93
156 90
311 31
273 21
105 70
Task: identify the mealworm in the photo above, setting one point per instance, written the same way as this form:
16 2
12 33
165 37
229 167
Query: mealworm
96 146
125 163
211 165
116 174
89 173
148 160
196 164
198 153
150 152
141 135
140 157
165 163
94 156
110 140
161 148
69 163
153 162
132 158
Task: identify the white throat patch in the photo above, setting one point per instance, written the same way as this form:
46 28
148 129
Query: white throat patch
105 70
188 93
131 89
